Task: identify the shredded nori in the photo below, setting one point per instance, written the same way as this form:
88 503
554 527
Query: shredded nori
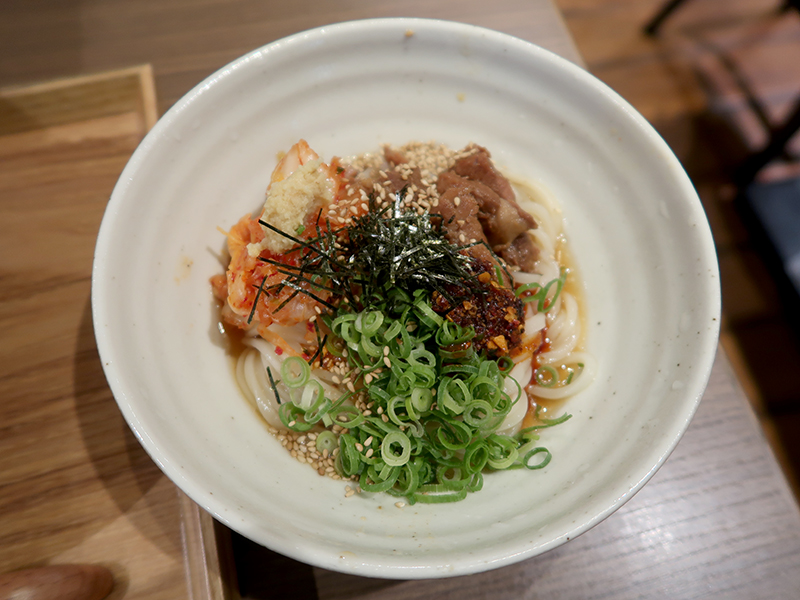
388 247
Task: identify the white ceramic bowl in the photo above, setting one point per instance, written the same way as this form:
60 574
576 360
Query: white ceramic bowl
636 227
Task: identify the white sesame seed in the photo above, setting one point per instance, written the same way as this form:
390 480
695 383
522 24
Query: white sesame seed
387 362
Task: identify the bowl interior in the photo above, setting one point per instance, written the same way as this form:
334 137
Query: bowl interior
635 226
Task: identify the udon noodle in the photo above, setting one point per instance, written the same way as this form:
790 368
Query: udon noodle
537 340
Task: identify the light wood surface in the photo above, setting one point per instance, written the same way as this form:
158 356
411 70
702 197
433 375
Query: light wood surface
187 40
75 485
716 521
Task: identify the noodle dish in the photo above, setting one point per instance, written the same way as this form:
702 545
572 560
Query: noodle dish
405 298
405 319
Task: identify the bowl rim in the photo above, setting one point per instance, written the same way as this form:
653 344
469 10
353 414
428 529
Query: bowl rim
306 552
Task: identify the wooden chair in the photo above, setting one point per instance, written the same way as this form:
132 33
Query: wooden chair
771 209
779 135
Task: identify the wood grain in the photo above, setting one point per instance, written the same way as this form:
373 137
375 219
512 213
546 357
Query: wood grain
127 92
76 486
186 41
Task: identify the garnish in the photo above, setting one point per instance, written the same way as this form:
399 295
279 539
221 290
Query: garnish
427 403
415 328
426 427
536 292
385 246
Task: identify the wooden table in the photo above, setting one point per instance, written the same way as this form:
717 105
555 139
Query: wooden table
718 520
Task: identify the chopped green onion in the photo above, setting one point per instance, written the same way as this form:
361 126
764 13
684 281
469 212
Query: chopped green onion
390 454
435 402
371 481
542 463
436 494
503 451
477 413
544 304
293 417
476 456
546 376
392 331
295 372
368 323
326 441
348 417
427 315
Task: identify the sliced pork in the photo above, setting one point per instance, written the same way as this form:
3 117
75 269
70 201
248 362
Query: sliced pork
490 212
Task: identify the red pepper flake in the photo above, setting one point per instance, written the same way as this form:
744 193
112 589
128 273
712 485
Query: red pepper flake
310 326
278 350
305 356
